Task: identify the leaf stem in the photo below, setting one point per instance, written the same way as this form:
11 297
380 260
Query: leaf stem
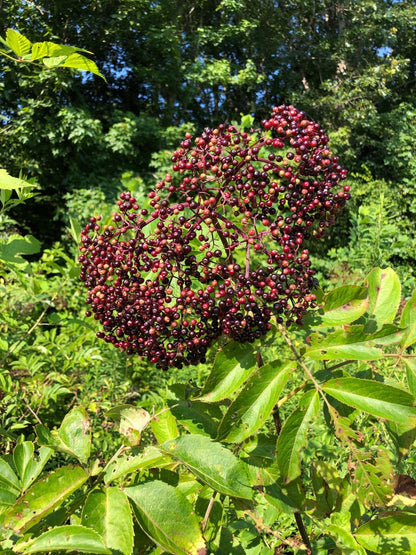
302 531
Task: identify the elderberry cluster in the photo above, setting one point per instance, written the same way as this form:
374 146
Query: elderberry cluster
221 247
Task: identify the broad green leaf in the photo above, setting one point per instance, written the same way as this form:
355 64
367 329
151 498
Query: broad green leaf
344 305
131 420
73 436
408 321
26 465
7 497
293 436
167 517
195 416
43 497
232 366
384 291
150 458
254 404
345 540
389 535
372 480
18 43
108 513
276 497
8 478
52 50
70 538
373 397
78 61
326 484
352 343
212 463
164 426
11 183
410 363
15 245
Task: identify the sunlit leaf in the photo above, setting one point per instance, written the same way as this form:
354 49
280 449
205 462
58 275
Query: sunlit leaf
233 364
389 535
67 538
212 463
293 436
253 405
167 517
378 399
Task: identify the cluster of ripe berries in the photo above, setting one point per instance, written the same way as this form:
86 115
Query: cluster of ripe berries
220 249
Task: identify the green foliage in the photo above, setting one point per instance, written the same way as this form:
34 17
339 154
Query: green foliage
299 436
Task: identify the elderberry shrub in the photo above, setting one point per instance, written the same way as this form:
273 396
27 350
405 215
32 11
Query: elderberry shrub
221 248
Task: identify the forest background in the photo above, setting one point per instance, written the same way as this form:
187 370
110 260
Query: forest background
170 68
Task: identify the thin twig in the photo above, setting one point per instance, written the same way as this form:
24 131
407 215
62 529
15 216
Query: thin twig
208 511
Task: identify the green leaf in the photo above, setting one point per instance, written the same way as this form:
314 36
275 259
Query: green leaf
108 513
76 61
43 497
72 537
293 436
373 397
7 498
212 463
75 230
384 291
73 436
164 426
131 420
344 305
150 458
27 467
276 497
254 404
15 246
18 43
8 478
167 517
389 535
408 321
352 343
12 183
52 50
345 540
233 364
410 364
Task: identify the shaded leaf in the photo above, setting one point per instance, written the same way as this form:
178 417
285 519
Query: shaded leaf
253 405
8 478
410 363
67 538
373 397
232 366
344 305
167 517
150 458
212 463
293 436
108 513
73 436
26 465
